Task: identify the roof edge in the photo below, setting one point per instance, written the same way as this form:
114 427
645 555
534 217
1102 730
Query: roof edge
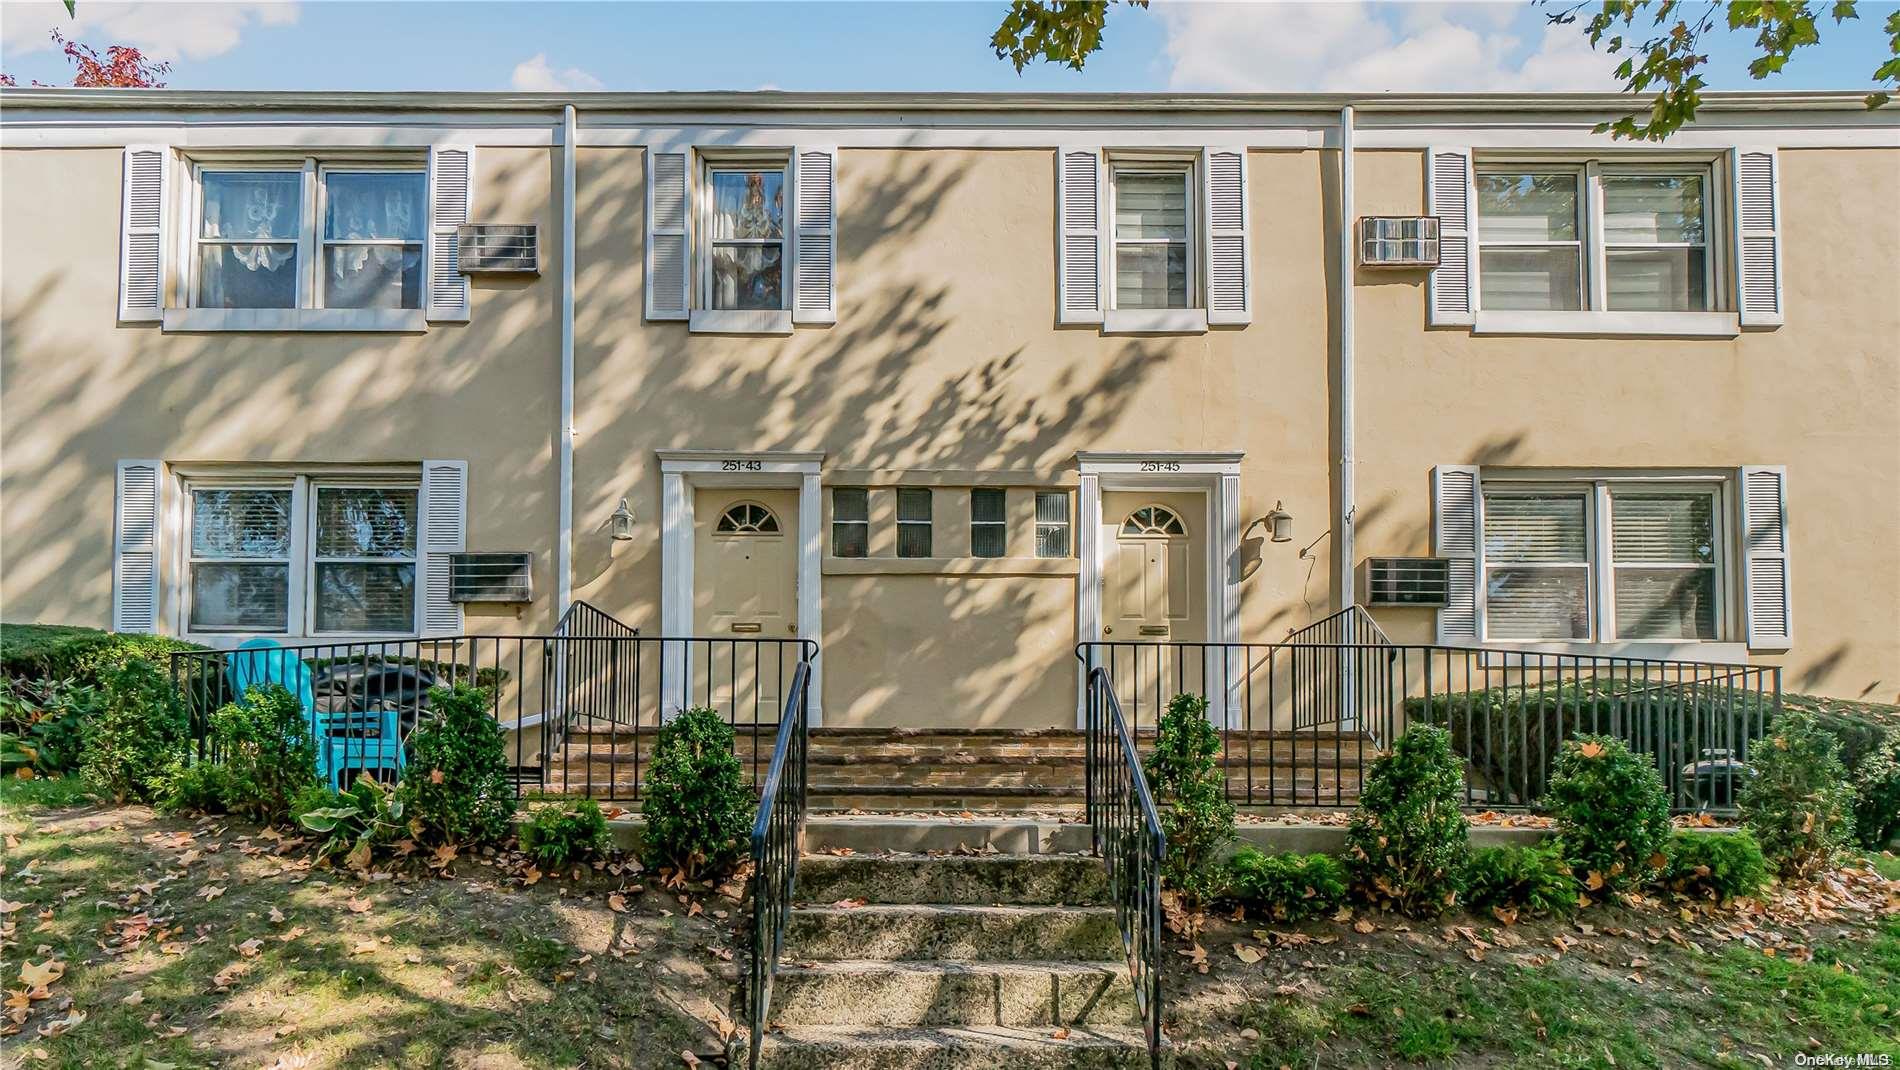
770 101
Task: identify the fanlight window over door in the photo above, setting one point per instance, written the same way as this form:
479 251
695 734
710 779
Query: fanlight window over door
747 518
1152 522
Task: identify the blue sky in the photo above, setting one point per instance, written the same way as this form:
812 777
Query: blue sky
892 45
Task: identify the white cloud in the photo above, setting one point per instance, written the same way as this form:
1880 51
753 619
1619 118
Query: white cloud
163 31
1366 47
535 75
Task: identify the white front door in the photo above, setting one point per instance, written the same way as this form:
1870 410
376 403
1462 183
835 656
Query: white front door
745 581
1152 581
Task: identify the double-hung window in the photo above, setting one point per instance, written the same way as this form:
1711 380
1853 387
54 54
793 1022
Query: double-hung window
1052 523
850 522
913 521
1152 217
745 252
314 236
1605 560
989 523
1596 236
302 556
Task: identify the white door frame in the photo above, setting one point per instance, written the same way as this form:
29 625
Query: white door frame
682 472
1217 477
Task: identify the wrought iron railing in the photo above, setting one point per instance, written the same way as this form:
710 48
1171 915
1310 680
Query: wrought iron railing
582 706
776 836
1299 720
1125 832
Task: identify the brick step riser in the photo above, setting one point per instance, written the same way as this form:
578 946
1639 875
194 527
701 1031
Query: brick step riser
914 933
907 996
1033 880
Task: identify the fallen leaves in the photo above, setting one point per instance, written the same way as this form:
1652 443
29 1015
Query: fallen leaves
359 905
39 976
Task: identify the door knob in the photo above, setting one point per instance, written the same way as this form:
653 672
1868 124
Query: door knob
1110 630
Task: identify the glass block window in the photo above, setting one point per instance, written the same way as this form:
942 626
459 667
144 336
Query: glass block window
850 522
1052 523
989 526
913 521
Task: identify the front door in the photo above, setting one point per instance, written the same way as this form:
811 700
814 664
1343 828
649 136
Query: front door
1153 586
745 578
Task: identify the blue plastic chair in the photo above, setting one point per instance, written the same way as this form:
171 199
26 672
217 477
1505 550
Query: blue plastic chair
362 740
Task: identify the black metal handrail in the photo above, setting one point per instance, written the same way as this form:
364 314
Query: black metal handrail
776 836
583 706
1299 720
1125 832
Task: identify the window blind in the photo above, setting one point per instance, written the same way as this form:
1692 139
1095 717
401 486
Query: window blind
1537 573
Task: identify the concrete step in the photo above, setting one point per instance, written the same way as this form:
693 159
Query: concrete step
939 993
953 879
969 1048
897 932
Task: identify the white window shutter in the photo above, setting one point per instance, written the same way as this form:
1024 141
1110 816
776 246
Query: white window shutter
142 233
444 532
451 178
1458 537
1757 237
667 259
1079 252
1229 280
135 547
1765 557
815 236
1453 285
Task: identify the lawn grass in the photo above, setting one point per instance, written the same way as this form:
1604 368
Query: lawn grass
473 970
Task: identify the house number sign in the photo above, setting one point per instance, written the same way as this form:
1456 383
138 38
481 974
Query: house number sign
741 466
1161 466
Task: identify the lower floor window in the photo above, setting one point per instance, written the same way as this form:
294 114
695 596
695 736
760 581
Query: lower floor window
303 556
1604 560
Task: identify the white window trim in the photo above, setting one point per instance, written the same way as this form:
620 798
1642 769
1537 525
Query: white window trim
320 245
1189 320
302 563
308 316
1582 243
702 318
313 557
189 505
1728 644
1596 319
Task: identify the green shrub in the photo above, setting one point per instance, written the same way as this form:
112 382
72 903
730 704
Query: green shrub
189 786
562 833
83 655
268 754
1876 783
135 733
1714 865
1612 812
42 725
1190 795
698 807
1286 887
1407 842
1798 803
456 789
1531 880
353 823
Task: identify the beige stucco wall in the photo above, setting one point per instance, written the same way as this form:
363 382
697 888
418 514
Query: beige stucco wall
946 358
1820 394
79 392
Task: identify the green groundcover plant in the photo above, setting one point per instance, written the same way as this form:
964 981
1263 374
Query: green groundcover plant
558 835
1716 866
1509 881
1285 887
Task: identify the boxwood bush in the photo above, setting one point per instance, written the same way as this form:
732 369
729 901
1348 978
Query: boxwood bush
698 806
1408 839
1529 880
135 733
1612 815
558 835
1190 795
456 789
1285 887
1717 866
1798 803
83 655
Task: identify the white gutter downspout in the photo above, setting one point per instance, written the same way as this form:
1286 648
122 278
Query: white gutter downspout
1342 523
564 542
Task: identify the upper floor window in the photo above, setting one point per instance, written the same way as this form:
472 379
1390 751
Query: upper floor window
1600 237
273 238
745 234
1152 217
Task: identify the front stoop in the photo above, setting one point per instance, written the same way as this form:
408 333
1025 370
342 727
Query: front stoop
952 962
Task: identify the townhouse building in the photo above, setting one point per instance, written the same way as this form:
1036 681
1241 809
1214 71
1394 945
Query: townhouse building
949 383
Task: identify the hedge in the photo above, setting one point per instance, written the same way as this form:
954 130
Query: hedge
66 652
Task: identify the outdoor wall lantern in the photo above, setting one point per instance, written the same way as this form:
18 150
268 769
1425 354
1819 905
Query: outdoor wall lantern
1280 523
623 523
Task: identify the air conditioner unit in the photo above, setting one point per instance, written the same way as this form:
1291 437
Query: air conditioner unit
1404 581
491 577
1398 241
498 249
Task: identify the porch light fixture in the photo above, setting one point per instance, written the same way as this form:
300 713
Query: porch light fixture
1280 523
623 523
